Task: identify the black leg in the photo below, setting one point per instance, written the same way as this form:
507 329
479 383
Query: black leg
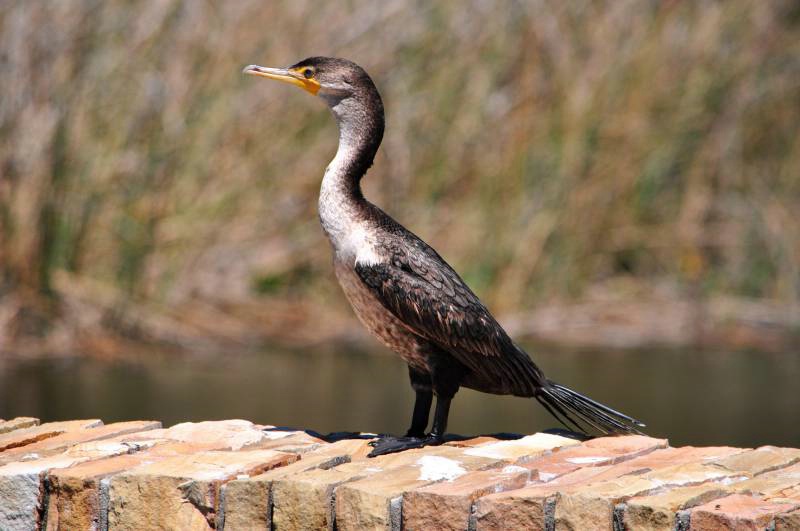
421 383
445 379
415 437
422 410
440 417
446 375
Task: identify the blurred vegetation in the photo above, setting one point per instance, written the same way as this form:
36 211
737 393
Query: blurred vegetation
545 148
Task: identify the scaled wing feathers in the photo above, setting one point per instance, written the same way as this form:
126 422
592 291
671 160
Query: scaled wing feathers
419 288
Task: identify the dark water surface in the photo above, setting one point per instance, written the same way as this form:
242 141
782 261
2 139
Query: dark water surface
700 398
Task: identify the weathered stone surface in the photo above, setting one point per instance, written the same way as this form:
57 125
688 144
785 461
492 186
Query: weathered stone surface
304 500
246 501
375 502
21 487
17 423
63 441
75 500
221 434
25 436
475 441
289 441
738 512
77 496
86 475
788 494
527 507
658 511
592 506
760 460
522 449
596 452
447 504
788 521
777 484
246 505
182 492
622 448
689 474
103 448
20 494
685 454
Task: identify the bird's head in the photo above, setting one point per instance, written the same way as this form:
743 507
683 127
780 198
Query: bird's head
328 77
346 88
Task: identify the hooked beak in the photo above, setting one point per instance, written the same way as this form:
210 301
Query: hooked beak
285 75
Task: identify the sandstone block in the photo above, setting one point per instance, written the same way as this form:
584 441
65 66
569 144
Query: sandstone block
447 504
59 443
738 512
375 502
25 436
530 507
596 452
79 498
457 498
592 506
182 492
760 460
475 441
622 448
237 475
17 423
79 495
659 511
289 441
512 512
522 449
220 434
305 500
789 494
780 483
247 501
22 489
21 496
677 456
788 521
246 505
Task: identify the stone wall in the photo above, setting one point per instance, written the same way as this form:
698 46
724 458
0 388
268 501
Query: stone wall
235 475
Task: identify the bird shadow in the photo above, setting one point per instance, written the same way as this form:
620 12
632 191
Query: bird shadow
450 437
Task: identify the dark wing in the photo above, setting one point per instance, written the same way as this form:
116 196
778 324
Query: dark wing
424 292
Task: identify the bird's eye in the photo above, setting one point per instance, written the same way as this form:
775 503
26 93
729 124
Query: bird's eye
308 73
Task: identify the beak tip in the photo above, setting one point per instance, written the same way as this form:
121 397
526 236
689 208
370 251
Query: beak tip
250 69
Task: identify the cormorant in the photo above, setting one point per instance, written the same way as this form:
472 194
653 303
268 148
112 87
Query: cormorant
404 292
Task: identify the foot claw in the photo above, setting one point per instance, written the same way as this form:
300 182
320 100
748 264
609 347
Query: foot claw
390 445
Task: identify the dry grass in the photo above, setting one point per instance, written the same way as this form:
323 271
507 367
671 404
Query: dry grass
545 148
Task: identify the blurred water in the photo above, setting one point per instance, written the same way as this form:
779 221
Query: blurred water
700 398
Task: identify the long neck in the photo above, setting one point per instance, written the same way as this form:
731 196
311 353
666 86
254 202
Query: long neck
360 120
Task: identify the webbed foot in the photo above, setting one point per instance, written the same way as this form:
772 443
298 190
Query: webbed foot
389 444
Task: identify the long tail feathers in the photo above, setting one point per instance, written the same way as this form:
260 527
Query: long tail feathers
576 411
